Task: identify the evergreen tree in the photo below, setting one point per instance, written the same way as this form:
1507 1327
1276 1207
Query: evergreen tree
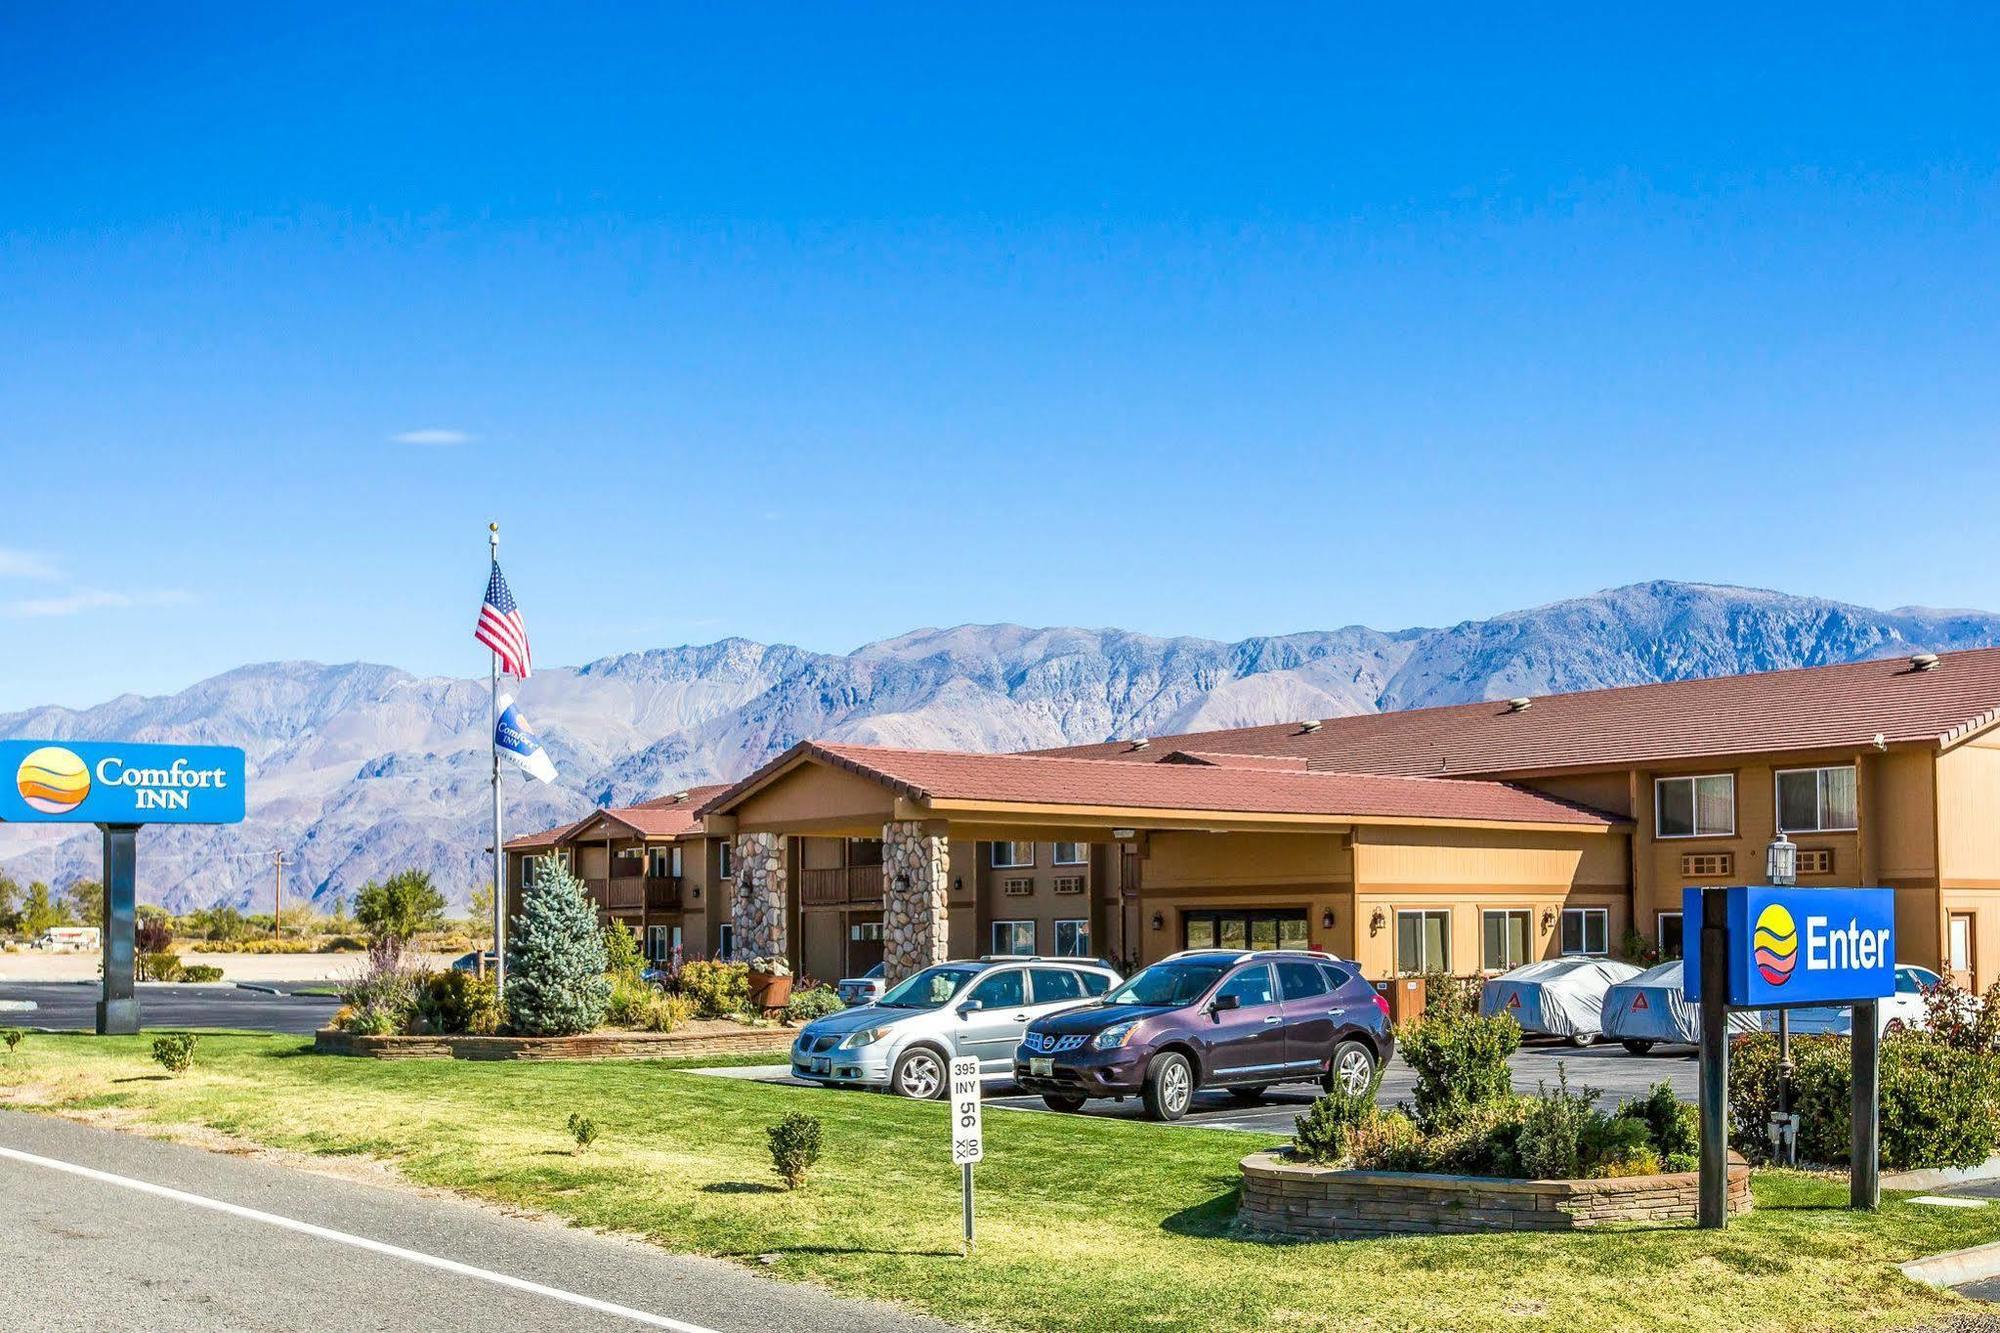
555 957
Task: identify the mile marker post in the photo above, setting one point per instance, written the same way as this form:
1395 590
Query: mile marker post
968 1141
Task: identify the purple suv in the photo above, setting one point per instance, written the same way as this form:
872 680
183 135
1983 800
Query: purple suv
1211 1018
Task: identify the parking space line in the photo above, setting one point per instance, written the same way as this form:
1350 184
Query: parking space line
358 1242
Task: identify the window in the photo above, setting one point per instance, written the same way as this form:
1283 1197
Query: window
1586 930
1708 865
1701 807
1013 855
1816 800
1066 884
663 861
1301 981
1053 985
1071 853
1423 941
1072 939
1251 986
1272 928
1005 989
864 851
1960 944
1815 861
660 944
725 940
1017 888
1503 940
1095 983
1670 934
865 932
725 860
1013 937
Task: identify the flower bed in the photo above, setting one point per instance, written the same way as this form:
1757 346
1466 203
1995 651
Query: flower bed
696 1040
1287 1198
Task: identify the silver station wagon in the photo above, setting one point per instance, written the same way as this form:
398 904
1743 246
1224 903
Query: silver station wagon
906 1040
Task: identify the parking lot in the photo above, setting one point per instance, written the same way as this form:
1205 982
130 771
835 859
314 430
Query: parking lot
1611 1070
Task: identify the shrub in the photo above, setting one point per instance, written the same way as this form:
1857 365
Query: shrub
583 1129
674 1011
175 1051
1940 1107
345 944
399 907
1673 1127
556 985
12 1036
1448 997
456 1002
200 972
634 1004
719 990
1461 1064
383 997
794 1147
622 954
152 934
817 1002
1322 1133
1385 1141
159 966
1550 1144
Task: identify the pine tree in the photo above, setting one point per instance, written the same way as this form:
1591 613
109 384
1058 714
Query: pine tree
555 957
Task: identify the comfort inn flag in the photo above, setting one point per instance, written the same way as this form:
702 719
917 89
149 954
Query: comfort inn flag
516 739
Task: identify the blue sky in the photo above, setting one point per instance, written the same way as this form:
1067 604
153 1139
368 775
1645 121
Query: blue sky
818 324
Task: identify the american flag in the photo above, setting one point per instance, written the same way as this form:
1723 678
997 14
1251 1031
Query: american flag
501 627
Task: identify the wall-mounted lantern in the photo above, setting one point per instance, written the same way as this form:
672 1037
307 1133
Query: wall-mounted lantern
1326 919
1159 921
1548 919
1377 921
1781 860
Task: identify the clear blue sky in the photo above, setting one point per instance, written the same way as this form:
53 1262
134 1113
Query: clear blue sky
816 325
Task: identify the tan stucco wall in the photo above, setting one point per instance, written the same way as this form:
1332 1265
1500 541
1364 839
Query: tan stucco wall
817 795
1223 860
1968 804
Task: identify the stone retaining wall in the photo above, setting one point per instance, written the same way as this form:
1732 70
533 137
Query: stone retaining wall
698 1041
1287 1198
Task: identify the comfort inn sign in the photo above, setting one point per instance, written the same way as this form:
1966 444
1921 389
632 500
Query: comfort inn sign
1802 946
119 782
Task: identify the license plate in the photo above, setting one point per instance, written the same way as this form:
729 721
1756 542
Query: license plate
1041 1064
823 1065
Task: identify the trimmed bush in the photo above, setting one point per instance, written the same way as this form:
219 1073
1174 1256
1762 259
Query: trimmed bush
159 966
455 1002
634 1004
556 985
1461 1064
175 1051
1323 1133
719 990
794 1147
818 1002
1673 1127
199 973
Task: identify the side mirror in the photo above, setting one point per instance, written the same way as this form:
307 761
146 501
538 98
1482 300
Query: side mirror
970 1007
1224 1003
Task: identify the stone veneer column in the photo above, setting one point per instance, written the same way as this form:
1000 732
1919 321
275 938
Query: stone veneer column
916 866
758 908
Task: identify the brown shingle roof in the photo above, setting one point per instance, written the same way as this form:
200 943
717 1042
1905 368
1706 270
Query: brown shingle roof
548 837
662 817
1833 707
932 775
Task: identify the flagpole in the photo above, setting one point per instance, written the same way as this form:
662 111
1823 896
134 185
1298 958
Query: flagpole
493 742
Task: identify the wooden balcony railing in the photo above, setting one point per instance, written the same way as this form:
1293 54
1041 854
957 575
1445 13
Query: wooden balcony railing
840 884
626 893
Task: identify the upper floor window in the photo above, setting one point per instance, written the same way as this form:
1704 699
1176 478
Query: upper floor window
1072 853
1817 800
725 859
1697 807
1009 855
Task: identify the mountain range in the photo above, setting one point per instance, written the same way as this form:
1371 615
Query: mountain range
358 769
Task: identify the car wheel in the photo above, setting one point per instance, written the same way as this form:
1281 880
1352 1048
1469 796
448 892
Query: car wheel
1637 1047
1060 1102
1255 1094
1350 1070
919 1074
1580 1040
1169 1086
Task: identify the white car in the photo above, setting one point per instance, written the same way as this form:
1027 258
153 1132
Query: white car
864 989
1904 1009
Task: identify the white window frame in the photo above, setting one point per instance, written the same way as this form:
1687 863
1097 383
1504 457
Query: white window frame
725 939
1603 914
1082 925
725 860
1082 857
1819 800
1694 805
1013 849
1527 947
1420 912
993 937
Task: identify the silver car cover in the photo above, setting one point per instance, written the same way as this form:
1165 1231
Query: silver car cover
1562 997
1653 1006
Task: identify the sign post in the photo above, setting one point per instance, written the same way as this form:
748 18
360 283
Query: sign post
968 1140
118 786
1773 947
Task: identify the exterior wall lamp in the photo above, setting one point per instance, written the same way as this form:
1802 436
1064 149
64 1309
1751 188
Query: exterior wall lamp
1548 919
1781 860
1159 921
1377 921
1326 919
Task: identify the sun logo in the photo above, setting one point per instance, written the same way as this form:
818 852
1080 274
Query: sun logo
53 780
1776 941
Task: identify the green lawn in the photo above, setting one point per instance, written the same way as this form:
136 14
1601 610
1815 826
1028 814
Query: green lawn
1083 1224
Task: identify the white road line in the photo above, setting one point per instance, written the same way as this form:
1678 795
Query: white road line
358 1242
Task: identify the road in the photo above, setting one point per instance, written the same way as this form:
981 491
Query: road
112 1231
1620 1076
63 1005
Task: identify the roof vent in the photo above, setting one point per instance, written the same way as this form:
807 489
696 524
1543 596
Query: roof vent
1924 662
678 796
1520 705
1141 743
1309 726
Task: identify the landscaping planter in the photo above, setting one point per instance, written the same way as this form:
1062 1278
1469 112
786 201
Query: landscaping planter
700 1039
770 992
1287 1198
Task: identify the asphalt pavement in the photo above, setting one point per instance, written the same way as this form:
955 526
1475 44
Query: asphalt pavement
1609 1068
64 1005
113 1231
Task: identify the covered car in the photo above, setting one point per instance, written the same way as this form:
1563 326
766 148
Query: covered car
1653 1007
1562 997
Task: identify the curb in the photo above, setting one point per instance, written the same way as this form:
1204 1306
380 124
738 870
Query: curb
1933 1178
259 987
1956 1268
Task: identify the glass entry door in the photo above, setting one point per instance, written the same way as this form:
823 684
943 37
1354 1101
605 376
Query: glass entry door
1254 928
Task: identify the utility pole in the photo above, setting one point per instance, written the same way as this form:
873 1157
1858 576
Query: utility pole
279 860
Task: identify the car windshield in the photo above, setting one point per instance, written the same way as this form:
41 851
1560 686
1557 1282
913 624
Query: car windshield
1169 984
928 989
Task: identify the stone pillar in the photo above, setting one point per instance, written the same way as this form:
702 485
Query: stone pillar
758 907
916 874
